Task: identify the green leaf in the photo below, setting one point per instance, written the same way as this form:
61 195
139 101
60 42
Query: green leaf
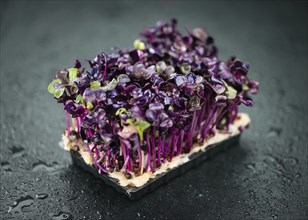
185 68
72 90
72 74
95 85
89 105
140 125
80 99
245 87
121 111
51 87
161 66
230 92
139 45
111 85
59 92
130 121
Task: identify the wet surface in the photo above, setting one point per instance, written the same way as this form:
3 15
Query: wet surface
263 177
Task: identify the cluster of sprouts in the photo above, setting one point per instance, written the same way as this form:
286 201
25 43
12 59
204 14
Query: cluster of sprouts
136 109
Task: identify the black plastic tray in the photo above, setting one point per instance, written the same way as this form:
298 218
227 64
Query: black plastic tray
134 193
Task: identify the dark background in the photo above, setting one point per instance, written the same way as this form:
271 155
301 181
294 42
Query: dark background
264 177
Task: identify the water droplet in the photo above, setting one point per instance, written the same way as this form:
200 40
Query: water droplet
73 198
42 166
109 213
288 179
200 195
246 180
247 213
62 216
269 159
6 166
274 132
252 167
277 172
298 175
17 151
274 215
4 163
275 162
99 215
41 196
280 166
19 204
290 160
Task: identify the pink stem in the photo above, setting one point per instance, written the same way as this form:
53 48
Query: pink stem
175 142
158 153
149 155
68 123
206 126
108 158
125 163
153 149
191 133
168 145
140 159
94 161
78 124
181 143
123 150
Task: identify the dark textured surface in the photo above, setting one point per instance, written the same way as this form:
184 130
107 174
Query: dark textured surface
264 177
